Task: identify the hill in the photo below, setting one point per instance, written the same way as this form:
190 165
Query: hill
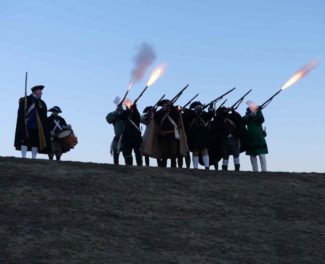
71 212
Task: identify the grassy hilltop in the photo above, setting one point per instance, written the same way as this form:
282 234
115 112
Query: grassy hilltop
71 212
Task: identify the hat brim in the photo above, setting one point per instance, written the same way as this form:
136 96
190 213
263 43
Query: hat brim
195 104
37 87
54 110
162 102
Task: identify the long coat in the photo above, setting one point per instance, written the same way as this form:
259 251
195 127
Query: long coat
39 117
215 149
151 145
198 129
256 143
131 132
119 124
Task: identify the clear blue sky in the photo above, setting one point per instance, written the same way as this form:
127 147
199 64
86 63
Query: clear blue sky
82 52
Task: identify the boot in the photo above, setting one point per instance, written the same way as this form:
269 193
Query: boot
180 162
224 167
237 167
188 160
147 161
128 160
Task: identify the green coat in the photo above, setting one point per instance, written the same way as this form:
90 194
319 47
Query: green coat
112 118
256 143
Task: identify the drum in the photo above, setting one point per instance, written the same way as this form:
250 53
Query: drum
67 139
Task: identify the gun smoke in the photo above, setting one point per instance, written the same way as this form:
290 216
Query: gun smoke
143 59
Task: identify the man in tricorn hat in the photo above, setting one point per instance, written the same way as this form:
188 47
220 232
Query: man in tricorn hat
233 137
32 131
131 137
56 124
198 132
148 114
171 134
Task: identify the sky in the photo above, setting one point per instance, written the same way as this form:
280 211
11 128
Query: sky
83 51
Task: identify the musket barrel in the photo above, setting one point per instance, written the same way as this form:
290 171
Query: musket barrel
136 100
127 91
223 103
190 101
237 104
219 98
265 104
175 98
156 105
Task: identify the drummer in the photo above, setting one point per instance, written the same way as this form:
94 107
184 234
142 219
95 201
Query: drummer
57 124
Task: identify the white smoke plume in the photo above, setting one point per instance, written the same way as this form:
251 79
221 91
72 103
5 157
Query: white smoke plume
143 59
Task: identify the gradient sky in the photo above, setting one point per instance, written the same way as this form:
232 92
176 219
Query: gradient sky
82 52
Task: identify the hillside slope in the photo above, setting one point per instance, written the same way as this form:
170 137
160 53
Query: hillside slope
72 212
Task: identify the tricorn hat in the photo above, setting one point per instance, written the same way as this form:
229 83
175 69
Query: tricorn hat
37 87
147 109
195 104
162 102
55 109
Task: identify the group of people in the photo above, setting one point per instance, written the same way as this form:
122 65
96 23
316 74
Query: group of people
174 133
39 133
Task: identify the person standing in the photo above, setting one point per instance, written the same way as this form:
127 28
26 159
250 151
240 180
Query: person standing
148 114
232 137
131 137
56 124
215 149
198 132
171 134
32 130
256 143
187 157
118 124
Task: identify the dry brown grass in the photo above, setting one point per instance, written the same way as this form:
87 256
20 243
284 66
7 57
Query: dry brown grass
73 212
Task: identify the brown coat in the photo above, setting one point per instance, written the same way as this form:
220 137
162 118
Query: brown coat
151 145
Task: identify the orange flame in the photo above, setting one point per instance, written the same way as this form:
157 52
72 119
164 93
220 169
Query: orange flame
300 74
155 75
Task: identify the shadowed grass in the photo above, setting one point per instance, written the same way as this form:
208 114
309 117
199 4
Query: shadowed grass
72 212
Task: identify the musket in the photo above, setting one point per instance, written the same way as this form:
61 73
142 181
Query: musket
25 106
223 103
265 104
156 105
136 100
218 98
126 94
237 104
190 101
175 98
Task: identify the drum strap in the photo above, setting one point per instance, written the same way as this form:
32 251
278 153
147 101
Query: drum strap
57 125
